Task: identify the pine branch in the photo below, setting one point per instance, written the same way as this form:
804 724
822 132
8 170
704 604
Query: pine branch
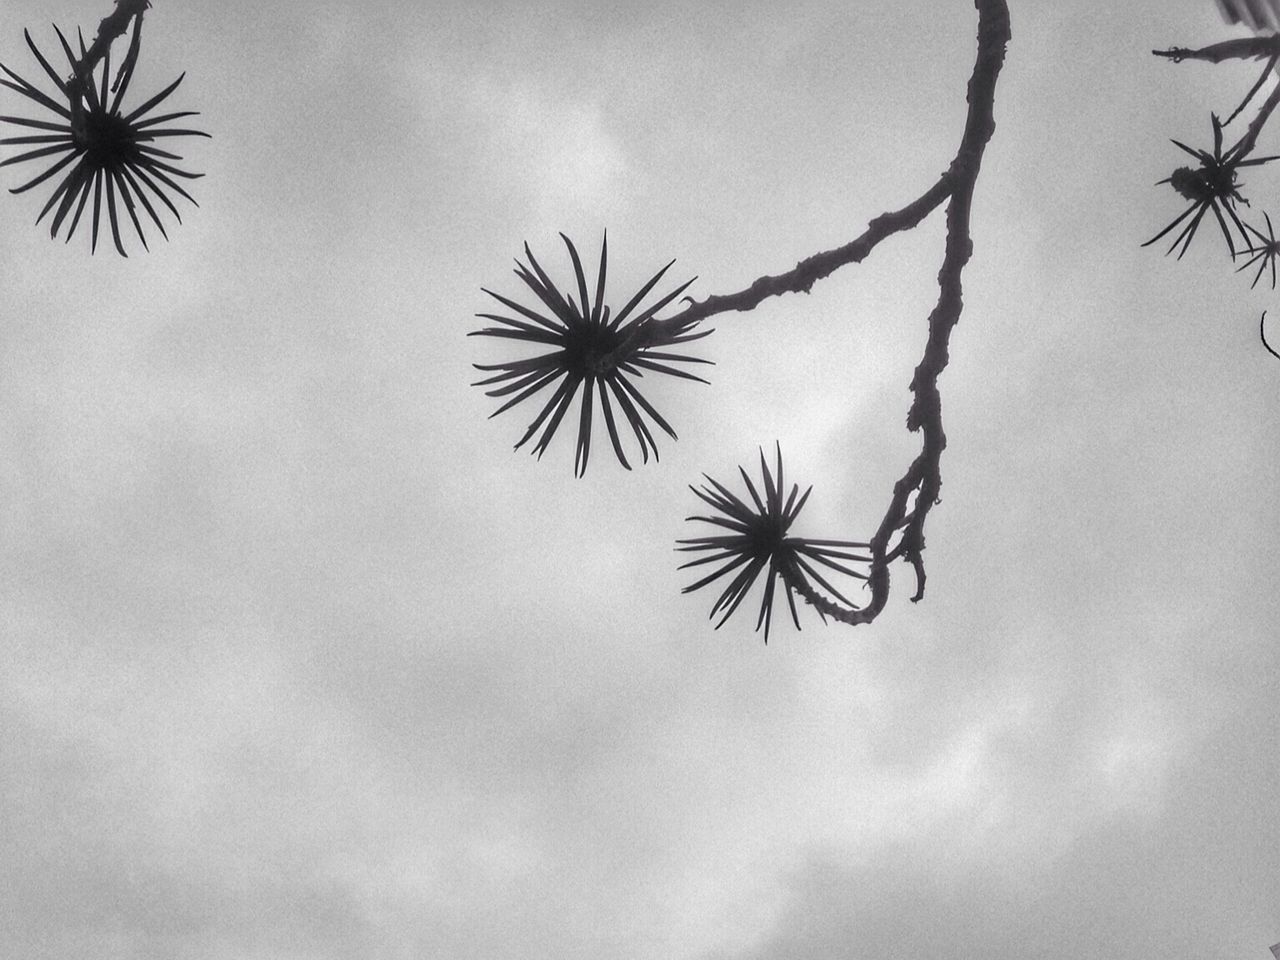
1246 48
1262 47
924 476
1250 139
587 356
812 269
111 28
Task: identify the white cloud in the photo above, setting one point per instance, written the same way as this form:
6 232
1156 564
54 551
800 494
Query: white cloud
558 151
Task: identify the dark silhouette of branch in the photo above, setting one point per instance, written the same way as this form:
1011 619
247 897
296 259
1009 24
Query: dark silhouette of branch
1254 48
808 271
799 279
1262 78
111 28
1246 143
923 478
759 538
1246 48
1262 333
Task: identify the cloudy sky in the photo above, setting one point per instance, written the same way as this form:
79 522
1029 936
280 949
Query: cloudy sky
300 660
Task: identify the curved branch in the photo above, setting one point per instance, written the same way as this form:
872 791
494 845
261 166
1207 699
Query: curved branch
924 476
1247 142
808 271
1249 48
1262 333
800 278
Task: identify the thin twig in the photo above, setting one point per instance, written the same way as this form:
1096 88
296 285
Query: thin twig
804 274
1244 146
798 279
1262 332
1255 48
1262 78
1246 48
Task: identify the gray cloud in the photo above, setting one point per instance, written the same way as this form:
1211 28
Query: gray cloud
301 660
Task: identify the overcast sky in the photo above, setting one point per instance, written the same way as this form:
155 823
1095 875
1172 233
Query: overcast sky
300 660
